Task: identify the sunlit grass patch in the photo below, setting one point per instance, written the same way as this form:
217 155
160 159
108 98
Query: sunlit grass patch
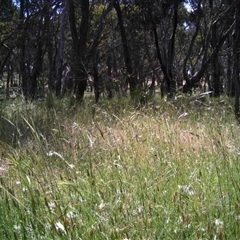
119 173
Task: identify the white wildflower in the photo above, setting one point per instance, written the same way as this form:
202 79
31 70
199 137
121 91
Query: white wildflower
3 169
16 227
101 207
52 205
71 166
180 220
60 227
50 154
187 189
140 209
71 215
218 222
75 125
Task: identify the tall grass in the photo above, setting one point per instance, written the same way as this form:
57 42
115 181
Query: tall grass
167 170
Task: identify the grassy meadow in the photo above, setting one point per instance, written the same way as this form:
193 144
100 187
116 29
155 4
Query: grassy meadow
167 170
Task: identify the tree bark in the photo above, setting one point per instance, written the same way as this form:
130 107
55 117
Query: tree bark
215 63
79 46
236 49
171 48
95 52
60 53
159 56
131 80
23 53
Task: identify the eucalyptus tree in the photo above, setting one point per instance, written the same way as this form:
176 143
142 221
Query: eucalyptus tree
236 58
162 19
34 42
212 40
79 40
7 11
96 32
60 50
131 78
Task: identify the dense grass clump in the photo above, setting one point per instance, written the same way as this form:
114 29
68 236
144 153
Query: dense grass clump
166 170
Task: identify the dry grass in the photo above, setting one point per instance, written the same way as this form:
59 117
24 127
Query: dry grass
163 173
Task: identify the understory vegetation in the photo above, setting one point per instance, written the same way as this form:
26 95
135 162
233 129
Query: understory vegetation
165 170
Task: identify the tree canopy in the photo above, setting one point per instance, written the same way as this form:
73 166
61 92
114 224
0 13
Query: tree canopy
116 47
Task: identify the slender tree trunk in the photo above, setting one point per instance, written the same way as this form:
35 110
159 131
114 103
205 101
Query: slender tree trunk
79 46
171 48
23 53
49 46
215 64
159 56
109 84
236 52
60 53
96 76
95 52
8 80
131 80
230 82
188 86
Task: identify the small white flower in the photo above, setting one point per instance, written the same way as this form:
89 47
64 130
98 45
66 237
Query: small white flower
75 125
140 209
52 205
218 222
71 215
60 227
3 169
50 154
180 220
18 182
187 189
101 207
71 166
16 227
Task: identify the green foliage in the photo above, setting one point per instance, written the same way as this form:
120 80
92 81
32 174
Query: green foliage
168 170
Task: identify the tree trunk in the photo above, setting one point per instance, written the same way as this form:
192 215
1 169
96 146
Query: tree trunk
236 49
60 53
159 56
230 82
131 80
23 54
79 46
95 52
215 64
8 80
49 46
171 48
96 77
